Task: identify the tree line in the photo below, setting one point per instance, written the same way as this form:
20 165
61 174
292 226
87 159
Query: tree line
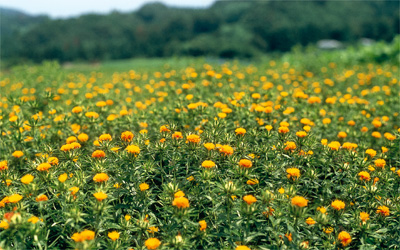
242 29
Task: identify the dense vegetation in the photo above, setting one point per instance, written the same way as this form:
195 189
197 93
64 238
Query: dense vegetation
301 152
226 29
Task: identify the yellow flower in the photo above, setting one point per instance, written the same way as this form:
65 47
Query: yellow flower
133 149
18 154
114 235
74 190
87 235
127 217
26 179
342 134
299 201
33 219
208 164
242 248
338 205
152 243
364 216
63 177
100 196
180 202
293 173
240 131
14 198
53 160
244 163
249 199
281 190
83 137
209 146
310 221
335 145
226 150
4 224
144 186
380 163
283 130
101 177
252 182
105 137
203 225
370 152
344 238
98 154
301 134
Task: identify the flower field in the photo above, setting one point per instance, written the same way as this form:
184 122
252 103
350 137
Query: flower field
201 156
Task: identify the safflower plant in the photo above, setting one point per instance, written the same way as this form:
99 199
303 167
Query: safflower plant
276 155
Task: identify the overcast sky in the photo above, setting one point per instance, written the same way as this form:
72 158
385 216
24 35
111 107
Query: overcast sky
68 8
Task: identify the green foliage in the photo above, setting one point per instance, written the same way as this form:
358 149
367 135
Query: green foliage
230 29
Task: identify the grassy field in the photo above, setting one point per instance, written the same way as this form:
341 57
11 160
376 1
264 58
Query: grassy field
296 152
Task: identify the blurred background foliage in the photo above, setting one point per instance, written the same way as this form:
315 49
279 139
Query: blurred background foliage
227 29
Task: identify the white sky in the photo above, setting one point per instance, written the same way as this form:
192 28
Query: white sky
68 8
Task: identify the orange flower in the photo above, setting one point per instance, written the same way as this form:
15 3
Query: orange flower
164 128
63 177
179 194
193 138
180 202
364 175
127 136
299 201
44 166
77 110
3 165
101 177
338 204
177 135
244 163
290 145
344 238
283 130
383 210
249 199
98 154
42 197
